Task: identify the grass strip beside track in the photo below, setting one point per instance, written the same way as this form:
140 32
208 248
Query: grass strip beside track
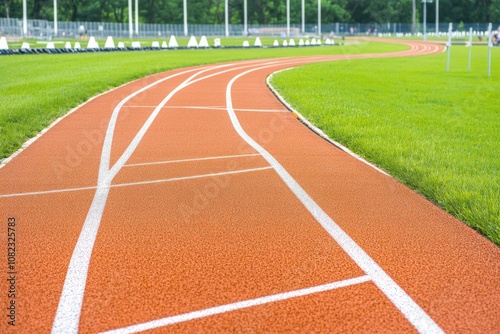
437 132
37 89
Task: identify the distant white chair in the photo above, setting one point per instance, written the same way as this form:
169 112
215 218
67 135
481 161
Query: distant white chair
110 44
3 43
172 43
192 42
92 44
203 42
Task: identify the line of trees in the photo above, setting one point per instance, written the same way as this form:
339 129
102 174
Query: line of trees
259 11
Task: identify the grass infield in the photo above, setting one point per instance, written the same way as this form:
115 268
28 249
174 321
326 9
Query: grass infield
437 132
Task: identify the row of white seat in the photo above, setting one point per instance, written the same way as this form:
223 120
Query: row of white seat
192 43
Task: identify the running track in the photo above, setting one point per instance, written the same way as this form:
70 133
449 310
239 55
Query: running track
193 201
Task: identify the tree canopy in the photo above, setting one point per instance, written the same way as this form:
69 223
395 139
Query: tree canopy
259 11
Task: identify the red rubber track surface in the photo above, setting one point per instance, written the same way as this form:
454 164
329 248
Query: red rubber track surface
197 218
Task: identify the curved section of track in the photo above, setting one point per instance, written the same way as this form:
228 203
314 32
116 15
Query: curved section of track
194 201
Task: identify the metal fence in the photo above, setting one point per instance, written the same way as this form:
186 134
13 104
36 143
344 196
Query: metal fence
42 29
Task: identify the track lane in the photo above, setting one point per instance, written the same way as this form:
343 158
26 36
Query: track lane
188 95
405 304
153 149
383 216
217 212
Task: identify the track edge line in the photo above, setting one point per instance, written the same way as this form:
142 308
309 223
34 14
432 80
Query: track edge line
240 305
314 128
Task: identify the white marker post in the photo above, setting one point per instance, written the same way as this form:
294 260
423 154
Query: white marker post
303 17
470 47
437 18
226 17
137 17
185 11
287 18
245 17
450 28
490 45
55 17
319 18
25 20
130 24
425 18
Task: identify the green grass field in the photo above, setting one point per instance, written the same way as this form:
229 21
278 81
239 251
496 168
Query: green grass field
36 89
437 132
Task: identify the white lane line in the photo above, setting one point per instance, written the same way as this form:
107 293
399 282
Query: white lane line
48 192
411 310
314 128
177 107
194 159
137 139
211 108
237 306
180 178
67 316
104 170
68 312
260 110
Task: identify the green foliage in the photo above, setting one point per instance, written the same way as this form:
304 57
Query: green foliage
437 132
259 11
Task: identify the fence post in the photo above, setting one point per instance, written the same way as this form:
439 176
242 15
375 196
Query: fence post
130 27
226 18
490 45
55 18
287 18
450 28
184 6
470 46
137 18
25 20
